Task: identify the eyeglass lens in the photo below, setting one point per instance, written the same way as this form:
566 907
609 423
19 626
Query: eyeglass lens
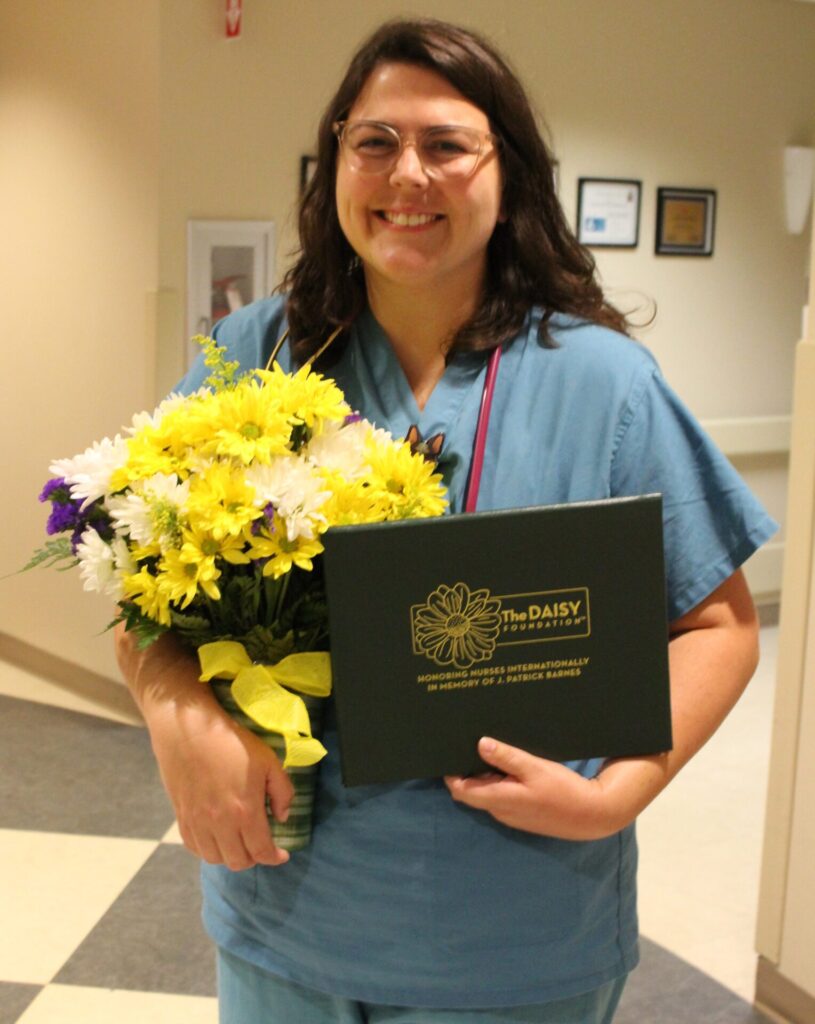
447 151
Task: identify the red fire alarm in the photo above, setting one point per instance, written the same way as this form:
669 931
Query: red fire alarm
234 13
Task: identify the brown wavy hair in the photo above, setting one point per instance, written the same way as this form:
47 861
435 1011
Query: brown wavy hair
533 259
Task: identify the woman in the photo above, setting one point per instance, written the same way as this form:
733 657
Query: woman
431 233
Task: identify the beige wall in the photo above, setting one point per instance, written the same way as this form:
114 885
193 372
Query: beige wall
139 116
698 93
79 187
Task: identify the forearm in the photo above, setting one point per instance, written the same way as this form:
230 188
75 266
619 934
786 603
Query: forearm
164 681
161 675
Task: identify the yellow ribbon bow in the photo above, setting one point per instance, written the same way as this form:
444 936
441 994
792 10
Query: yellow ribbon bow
260 692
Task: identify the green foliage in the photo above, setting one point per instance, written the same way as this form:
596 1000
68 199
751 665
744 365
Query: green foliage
144 629
300 436
52 553
263 645
192 630
225 373
237 610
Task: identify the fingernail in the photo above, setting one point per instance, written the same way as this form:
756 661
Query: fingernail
487 745
283 817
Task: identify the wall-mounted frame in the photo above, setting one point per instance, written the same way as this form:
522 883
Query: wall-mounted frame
230 263
308 165
608 212
686 219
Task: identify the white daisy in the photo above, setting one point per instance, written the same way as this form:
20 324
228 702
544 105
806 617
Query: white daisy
150 513
89 473
339 448
97 564
295 490
125 566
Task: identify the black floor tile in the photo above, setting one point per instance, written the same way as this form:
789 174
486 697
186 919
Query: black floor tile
665 989
14 999
61 771
151 939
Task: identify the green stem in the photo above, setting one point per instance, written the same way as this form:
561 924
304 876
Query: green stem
271 589
281 597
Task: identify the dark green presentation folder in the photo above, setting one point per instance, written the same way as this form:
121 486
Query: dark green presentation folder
543 627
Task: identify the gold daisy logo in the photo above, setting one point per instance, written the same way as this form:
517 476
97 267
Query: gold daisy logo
457 626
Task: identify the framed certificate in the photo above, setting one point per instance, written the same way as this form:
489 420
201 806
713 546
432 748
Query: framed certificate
685 221
608 212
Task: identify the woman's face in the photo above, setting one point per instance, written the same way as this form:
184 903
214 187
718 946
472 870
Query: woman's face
448 248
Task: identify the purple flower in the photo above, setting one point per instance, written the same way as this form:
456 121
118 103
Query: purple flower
57 484
65 512
94 517
267 522
63 517
353 417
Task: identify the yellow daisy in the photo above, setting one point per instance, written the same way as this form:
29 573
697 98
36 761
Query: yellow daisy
245 423
352 501
305 397
405 483
221 502
283 553
146 591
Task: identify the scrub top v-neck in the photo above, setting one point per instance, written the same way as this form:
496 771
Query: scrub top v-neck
372 379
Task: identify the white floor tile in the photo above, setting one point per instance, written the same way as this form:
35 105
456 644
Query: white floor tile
53 890
68 1004
172 835
16 682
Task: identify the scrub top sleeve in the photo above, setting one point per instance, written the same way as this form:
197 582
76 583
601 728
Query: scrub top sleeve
712 522
249 335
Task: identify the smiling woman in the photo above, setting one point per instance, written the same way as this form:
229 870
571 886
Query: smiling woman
432 238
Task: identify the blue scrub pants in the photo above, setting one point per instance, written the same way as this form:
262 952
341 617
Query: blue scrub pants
249 995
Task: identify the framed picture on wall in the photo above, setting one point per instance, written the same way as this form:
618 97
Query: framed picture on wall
608 212
686 219
230 263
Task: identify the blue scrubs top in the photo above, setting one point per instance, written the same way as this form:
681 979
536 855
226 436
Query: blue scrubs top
403 896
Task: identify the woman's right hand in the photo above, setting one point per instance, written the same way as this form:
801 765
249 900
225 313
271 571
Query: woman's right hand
216 773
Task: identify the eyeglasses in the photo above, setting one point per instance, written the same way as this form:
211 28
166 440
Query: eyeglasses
444 151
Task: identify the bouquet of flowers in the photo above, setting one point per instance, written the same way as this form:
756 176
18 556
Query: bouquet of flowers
205 519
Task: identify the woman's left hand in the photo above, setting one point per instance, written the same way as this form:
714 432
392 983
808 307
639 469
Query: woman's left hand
713 651
536 795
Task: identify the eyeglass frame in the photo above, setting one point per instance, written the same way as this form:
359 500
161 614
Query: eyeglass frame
339 128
